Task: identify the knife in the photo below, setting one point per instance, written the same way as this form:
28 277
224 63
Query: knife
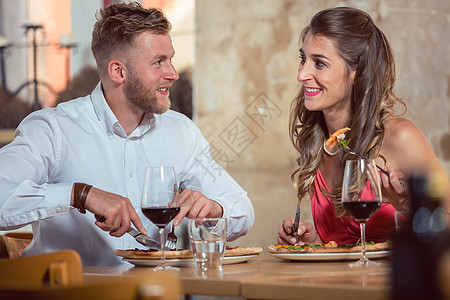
144 239
296 222
139 237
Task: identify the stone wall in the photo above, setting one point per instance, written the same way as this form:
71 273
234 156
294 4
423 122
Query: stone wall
247 59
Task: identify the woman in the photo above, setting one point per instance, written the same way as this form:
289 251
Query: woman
347 73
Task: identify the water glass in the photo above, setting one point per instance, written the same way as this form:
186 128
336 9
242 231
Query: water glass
208 237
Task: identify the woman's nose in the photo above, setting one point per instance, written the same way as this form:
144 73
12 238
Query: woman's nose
304 72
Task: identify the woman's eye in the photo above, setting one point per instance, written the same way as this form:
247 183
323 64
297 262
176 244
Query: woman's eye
302 58
320 64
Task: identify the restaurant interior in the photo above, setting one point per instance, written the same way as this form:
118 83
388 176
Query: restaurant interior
238 62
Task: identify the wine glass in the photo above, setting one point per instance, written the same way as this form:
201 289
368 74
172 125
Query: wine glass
361 198
160 203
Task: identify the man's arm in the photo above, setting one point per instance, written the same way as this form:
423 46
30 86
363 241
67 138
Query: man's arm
210 191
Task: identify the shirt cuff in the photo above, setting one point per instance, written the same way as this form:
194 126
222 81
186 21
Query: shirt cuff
57 198
225 208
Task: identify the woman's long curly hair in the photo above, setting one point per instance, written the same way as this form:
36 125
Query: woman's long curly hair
365 49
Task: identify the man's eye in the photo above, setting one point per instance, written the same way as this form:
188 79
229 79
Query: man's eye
158 63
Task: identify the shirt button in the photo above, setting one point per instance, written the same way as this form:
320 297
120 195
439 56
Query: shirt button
131 174
110 134
58 210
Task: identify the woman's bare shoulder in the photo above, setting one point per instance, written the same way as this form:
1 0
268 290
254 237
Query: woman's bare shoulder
406 144
402 131
398 124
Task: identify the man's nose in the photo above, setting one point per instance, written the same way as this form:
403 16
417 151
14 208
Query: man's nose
171 73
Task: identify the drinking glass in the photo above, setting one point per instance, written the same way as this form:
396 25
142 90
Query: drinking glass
208 237
361 198
160 203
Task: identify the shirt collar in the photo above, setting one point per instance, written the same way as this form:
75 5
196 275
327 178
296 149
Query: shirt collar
109 120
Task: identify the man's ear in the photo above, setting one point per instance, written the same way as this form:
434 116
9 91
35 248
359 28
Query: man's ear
116 71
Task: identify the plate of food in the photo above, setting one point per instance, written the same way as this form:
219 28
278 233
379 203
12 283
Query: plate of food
184 258
330 251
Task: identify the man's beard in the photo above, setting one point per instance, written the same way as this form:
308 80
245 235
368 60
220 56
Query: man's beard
144 98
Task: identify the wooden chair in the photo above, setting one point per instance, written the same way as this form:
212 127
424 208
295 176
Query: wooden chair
59 275
60 268
12 244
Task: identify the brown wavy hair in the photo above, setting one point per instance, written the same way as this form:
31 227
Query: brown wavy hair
364 48
119 24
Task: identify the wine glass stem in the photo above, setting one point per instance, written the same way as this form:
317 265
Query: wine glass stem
362 225
161 239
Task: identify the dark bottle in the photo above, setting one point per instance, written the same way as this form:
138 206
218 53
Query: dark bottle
422 244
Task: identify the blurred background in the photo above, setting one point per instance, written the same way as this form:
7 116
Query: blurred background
238 63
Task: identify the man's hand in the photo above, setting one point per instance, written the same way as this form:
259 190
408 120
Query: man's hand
195 205
306 233
117 211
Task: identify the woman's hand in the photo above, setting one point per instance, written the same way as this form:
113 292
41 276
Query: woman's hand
394 189
306 233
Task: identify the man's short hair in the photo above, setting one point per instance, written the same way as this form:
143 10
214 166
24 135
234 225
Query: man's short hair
119 24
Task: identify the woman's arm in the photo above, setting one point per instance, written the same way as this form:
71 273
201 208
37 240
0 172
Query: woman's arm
407 151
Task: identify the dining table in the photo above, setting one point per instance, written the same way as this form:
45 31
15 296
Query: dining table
265 276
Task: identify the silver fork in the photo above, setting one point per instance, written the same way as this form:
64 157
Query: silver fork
171 239
347 149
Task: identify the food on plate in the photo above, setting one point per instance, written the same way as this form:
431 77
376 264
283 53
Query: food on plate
179 254
239 251
152 254
331 247
335 137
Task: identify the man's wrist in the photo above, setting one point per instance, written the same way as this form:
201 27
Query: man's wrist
219 209
80 193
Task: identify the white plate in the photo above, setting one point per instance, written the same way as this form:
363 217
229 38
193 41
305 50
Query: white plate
331 256
186 262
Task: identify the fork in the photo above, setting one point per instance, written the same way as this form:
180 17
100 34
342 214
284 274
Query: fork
171 239
347 149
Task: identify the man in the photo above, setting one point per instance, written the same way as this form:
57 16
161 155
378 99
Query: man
91 153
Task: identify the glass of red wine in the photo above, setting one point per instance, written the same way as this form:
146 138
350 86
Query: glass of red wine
160 203
361 198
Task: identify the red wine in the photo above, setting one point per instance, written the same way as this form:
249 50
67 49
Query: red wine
160 215
361 210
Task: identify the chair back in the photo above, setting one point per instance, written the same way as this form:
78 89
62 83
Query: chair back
12 244
60 268
59 275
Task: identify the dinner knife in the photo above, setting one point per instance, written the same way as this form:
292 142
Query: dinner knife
296 222
139 237
144 239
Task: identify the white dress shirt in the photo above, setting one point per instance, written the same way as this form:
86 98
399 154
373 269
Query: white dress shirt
82 141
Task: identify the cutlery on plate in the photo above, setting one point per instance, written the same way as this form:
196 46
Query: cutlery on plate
145 240
296 222
140 237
